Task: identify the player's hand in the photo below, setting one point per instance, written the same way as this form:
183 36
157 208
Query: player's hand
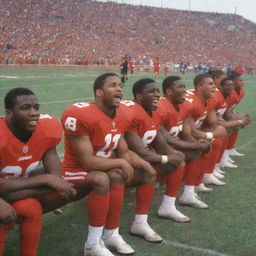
205 147
66 190
127 171
7 216
245 120
176 158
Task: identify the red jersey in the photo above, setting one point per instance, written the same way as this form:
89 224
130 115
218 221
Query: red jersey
219 103
86 119
131 66
194 107
145 125
235 97
170 118
156 66
20 159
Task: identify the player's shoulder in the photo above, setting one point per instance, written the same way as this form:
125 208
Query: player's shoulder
83 111
3 131
49 126
79 108
130 104
127 109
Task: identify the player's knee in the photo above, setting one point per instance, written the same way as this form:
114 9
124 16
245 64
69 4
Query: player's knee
192 155
115 177
34 209
100 179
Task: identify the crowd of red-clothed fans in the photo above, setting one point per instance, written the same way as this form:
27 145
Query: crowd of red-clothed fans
90 32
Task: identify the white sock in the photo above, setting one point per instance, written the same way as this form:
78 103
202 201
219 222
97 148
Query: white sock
189 191
168 202
111 232
226 153
140 218
94 235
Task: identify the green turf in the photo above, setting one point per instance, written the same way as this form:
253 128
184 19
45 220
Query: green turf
227 228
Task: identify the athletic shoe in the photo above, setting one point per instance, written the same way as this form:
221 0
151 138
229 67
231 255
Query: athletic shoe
211 179
217 169
144 230
98 249
230 159
227 164
117 243
58 211
173 214
218 175
233 152
193 202
202 188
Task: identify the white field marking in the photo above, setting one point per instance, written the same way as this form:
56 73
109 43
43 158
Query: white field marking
196 249
61 101
247 144
9 77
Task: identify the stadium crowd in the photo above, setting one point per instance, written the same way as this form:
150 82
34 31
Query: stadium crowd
92 32
109 144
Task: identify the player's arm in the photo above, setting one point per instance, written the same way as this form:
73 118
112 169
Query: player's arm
216 130
7 215
174 157
231 115
51 162
83 150
212 119
134 159
232 123
190 132
179 144
13 189
135 144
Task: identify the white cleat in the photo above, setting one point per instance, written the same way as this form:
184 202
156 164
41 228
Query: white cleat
117 243
227 164
202 188
218 175
233 152
58 211
98 249
230 160
217 169
194 202
211 179
145 231
173 214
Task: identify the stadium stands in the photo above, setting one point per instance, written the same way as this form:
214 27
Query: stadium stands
91 32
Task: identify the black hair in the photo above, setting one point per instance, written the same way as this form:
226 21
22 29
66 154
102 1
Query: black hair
139 85
215 74
223 81
10 97
233 75
200 78
169 82
100 80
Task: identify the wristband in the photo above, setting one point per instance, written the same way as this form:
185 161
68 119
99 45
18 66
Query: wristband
164 159
209 135
240 122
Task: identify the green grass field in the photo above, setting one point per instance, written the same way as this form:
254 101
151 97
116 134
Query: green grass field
226 228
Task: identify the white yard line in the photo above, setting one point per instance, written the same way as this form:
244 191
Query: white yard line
9 77
253 140
195 249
